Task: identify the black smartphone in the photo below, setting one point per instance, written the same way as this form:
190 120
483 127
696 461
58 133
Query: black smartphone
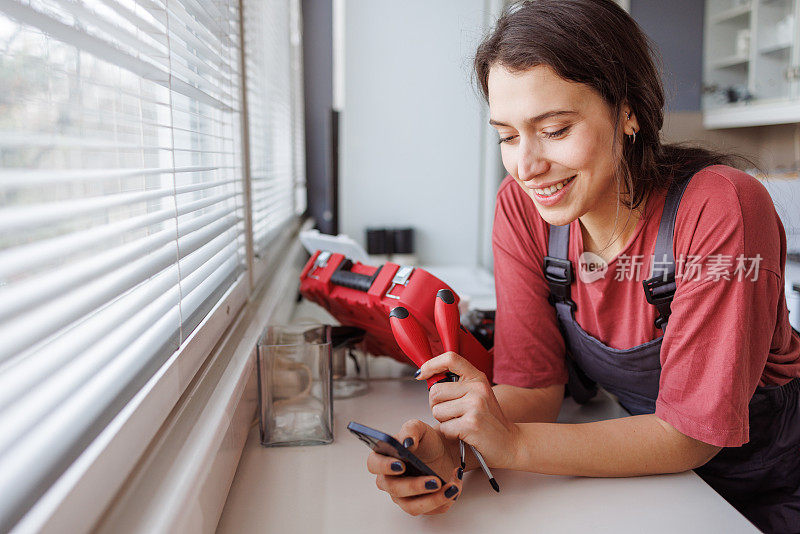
388 446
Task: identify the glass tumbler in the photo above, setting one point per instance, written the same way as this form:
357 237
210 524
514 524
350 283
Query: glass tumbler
350 362
295 390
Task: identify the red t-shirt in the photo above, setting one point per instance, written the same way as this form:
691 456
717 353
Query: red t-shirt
725 336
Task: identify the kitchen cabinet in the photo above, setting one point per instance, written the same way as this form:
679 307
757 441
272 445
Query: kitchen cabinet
751 63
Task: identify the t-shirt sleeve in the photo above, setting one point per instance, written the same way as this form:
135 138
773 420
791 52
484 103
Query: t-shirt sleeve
529 348
727 249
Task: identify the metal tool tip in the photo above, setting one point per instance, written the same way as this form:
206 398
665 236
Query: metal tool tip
494 484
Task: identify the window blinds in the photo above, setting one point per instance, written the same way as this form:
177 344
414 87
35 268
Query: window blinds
275 115
298 106
121 209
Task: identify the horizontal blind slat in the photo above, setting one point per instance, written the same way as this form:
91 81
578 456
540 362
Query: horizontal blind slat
34 405
199 95
154 32
197 259
19 259
27 329
37 215
34 367
22 296
95 46
24 178
206 286
212 86
198 11
47 140
88 17
108 52
42 451
20 416
212 55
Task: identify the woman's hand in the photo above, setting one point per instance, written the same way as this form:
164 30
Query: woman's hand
420 495
468 410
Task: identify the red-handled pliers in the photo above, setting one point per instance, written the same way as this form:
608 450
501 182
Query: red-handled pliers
448 322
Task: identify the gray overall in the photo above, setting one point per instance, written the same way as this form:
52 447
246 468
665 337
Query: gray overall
761 478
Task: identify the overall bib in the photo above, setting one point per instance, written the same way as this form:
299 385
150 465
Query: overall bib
761 478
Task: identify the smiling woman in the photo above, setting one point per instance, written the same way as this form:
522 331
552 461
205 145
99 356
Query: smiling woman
577 102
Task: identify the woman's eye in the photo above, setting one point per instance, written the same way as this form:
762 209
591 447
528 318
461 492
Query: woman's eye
558 133
505 139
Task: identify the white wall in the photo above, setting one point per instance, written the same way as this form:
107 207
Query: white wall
413 126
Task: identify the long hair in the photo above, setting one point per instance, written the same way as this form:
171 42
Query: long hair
596 43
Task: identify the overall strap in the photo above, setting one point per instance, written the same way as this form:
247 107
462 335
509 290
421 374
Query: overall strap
559 275
660 289
557 268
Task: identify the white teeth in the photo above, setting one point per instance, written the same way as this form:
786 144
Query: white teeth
546 192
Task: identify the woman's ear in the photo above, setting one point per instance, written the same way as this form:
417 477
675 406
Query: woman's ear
629 123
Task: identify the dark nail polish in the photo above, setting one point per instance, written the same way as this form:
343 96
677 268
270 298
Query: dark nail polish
431 484
460 473
449 492
417 373
408 442
397 466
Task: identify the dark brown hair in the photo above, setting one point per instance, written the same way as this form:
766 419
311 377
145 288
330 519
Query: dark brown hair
596 43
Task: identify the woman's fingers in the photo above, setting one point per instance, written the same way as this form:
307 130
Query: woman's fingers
412 433
452 428
444 411
450 361
442 509
423 504
407 486
446 391
378 464
418 494
453 490
450 402
433 503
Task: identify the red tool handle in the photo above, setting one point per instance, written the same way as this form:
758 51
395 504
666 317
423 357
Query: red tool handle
412 340
448 321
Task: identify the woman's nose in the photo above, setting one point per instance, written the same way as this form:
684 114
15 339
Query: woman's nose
531 162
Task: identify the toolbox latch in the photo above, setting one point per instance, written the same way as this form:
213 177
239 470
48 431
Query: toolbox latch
400 279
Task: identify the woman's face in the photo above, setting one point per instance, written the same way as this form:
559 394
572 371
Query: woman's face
555 132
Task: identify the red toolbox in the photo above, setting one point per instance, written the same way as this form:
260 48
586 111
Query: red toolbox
362 295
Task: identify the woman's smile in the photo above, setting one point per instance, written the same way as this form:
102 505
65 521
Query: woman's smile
552 194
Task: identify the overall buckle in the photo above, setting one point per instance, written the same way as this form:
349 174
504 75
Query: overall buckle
558 270
659 292
559 275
